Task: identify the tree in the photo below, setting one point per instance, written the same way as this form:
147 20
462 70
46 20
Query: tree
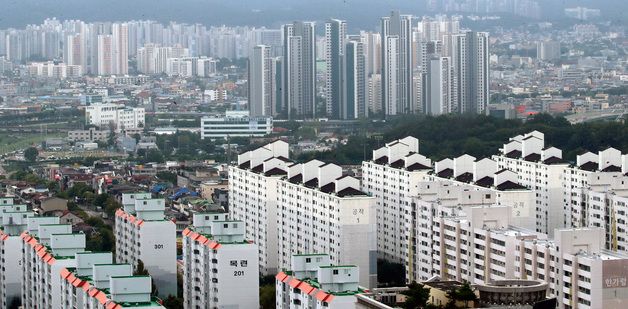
152 155
417 296
78 190
390 274
111 206
267 296
173 302
141 270
167 176
464 294
31 154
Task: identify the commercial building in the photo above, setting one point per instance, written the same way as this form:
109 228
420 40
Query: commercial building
144 234
235 123
120 117
315 207
91 135
314 282
220 267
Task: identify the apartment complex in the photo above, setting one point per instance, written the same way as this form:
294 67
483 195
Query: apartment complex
144 234
220 267
314 283
14 220
410 190
315 209
541 169
392 177
481 245
44 255
95 282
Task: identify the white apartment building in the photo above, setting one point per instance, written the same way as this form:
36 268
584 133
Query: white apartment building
14 221
477 245
580 273
599 172
43 257
97 283
235 123
105 115
313 282
410 194
480 244
253 199
392 177
597 197
484 174
143 233
438 199
541 169
316 209
54 70
220 267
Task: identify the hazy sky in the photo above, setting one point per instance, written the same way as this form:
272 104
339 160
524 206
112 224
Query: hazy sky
359 13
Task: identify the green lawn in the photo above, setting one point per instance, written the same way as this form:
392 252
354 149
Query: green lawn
14 141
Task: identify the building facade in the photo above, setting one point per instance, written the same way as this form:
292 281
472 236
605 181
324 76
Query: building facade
220 267
144 234
119 117
235 124
315 207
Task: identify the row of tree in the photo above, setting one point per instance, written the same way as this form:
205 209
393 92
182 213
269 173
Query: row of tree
480 136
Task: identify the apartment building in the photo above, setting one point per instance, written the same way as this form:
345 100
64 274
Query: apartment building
315 209
314 283
481 245
598 199
96 283
14 220
580 273
253 199
476 245
598 171
541 169
392 177
43 257
143 233
484 174
220 267
437 199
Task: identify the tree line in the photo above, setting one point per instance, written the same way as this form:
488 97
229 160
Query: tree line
450 136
